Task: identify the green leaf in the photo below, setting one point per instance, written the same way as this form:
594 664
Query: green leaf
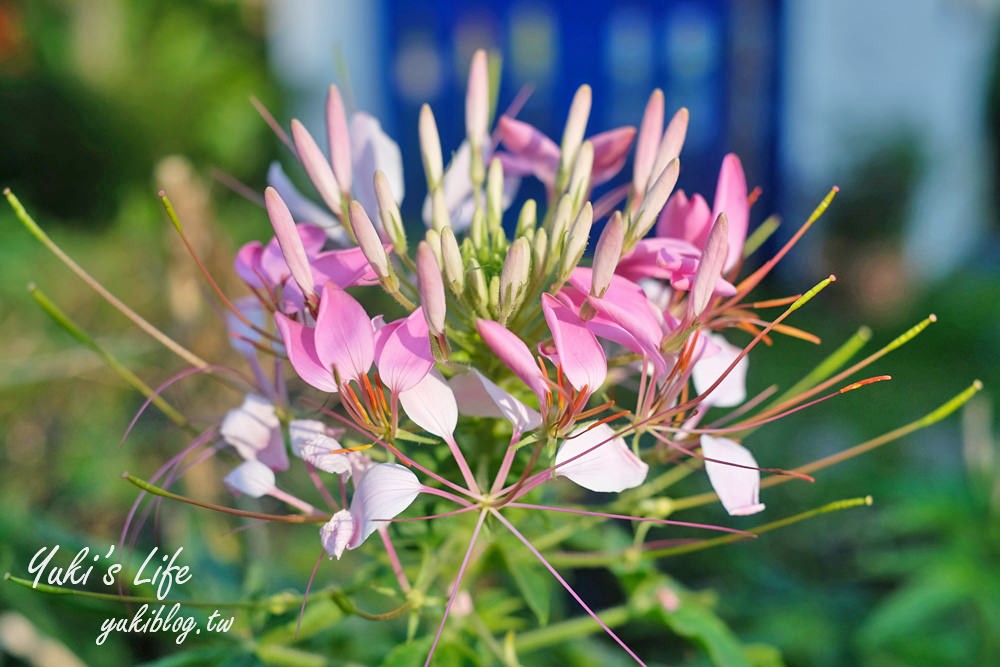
763 655
320 613
700 624
209 656
534 585
414 654
413 437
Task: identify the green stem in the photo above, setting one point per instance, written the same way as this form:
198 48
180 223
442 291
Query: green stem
137 319
74 330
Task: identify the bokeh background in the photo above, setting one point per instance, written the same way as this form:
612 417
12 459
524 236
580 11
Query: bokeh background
104 102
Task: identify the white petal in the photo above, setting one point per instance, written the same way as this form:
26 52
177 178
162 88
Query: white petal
336 533
738 487
373 150
254 431
385 491
311 443
251 478
431 405
478 396
733 390
610 468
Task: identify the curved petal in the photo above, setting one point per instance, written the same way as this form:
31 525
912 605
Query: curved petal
731 199
344 268
609 466
254 430
431 405
251 478
610 153
373 150
685 219
248 264
386 490
300 342
478 396
403 352
515 354
733 389
738 487
289 239
311 443
337 533
344 338
581 356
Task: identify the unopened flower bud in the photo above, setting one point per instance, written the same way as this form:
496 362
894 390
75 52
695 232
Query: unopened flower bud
477 290
607 254
527 218
368 241
647 142
433 239
477 100
339 138
655 199
432 299
494 192
671 143
514 277
388 210
316 166
494 295
560 224
439 210
477 229
576 126
576 241
451 259
579 179
430 148
539 253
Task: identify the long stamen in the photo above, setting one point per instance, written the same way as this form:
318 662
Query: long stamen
455 586
569 589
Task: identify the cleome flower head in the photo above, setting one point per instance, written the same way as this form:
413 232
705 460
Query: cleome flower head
490 392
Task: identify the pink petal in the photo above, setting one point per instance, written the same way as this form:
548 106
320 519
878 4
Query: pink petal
611 467
478 396
431 405
251 478
686 219
403 352
581 356
311 443
738 487
709 269
248 265
254 430
373 151
344 268
337 533
610 152
300 342
530 144
731 199
289 239
344 338
515 354
386 490
732 391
